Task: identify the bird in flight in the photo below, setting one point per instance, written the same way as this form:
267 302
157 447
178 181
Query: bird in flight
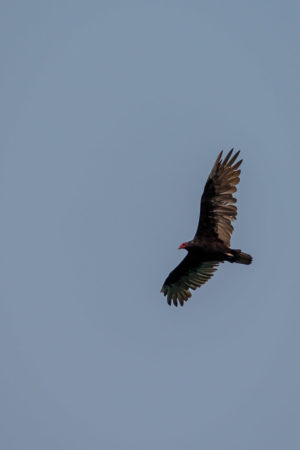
211 243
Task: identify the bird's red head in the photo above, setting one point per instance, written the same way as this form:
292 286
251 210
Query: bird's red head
184 245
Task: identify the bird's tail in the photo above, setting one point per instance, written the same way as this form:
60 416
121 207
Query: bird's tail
241 257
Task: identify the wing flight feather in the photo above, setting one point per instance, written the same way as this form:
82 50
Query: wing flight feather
217 202
189 274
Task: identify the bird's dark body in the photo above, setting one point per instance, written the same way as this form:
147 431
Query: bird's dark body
211 244
198 253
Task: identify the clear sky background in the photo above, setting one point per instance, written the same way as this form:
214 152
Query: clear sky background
112 114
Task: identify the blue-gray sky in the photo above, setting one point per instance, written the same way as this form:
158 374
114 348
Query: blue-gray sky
112 114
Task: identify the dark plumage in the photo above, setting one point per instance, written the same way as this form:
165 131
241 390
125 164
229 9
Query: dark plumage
211 243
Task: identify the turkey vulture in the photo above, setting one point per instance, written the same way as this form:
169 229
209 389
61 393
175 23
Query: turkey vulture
211 243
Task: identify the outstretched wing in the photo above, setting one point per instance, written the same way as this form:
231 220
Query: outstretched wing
189 274
217 202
